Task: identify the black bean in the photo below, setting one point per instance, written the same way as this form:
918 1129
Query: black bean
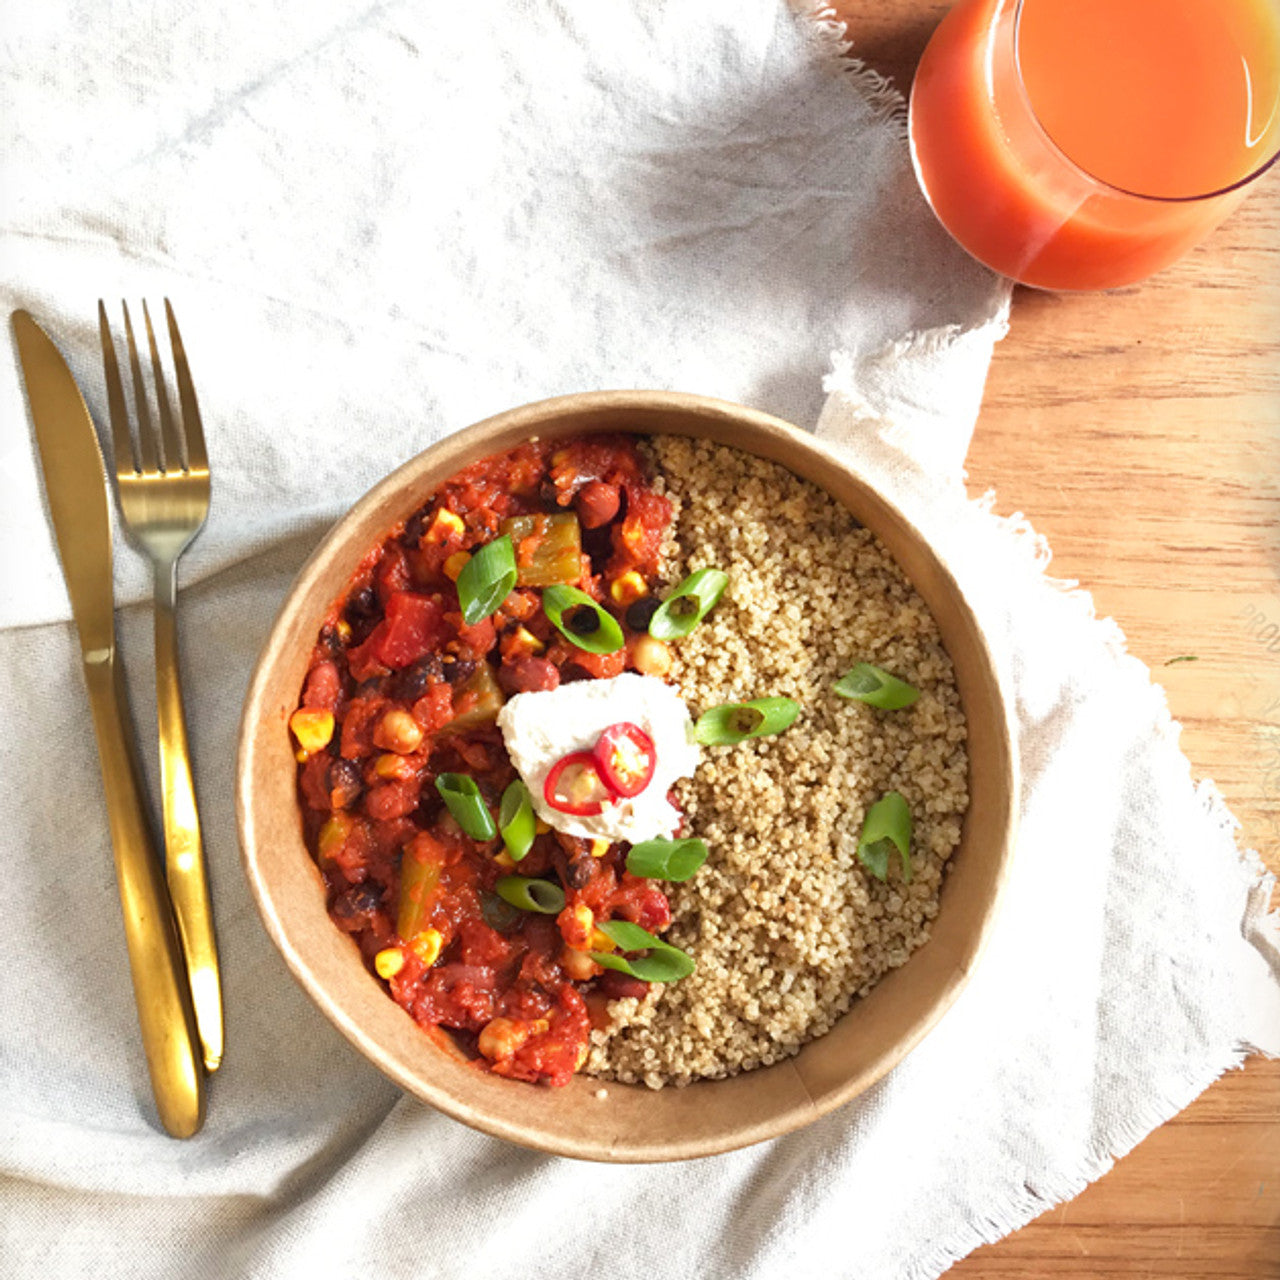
362 900
458 670
640 613
414 528
578 872
583 621
373 687
345 783
411 683
330 642
361 605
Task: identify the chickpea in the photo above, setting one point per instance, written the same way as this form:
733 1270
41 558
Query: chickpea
578 965
651 657
398 731
501 1038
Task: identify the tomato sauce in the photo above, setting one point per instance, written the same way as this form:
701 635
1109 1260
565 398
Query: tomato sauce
406 691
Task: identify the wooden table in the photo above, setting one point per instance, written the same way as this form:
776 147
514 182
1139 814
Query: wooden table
1140 432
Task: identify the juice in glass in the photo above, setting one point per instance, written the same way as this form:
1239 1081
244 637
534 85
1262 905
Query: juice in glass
1084 144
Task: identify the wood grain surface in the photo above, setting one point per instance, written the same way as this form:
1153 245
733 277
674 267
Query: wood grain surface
1140 432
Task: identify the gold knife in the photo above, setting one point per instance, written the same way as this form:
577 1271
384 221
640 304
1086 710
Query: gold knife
76 484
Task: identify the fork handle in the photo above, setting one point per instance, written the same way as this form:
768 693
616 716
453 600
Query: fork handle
184 852
155 957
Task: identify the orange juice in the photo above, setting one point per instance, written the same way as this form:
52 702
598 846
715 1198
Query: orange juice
1084 144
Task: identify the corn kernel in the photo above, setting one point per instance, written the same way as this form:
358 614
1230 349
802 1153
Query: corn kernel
389 962
426 945
398 731
312 728
628 588
599 847
344 630
524 641
582 1057
541 827
455 564
577 928
390 765
505 861
444 526
302 756
600 941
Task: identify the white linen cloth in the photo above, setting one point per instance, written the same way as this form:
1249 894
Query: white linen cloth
382 222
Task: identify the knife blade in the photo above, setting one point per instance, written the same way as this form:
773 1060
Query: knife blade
75 483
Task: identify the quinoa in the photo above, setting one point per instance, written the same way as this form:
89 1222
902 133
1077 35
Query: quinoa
786 926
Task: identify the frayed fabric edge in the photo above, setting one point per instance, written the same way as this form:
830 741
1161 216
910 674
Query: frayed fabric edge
845 371
828 35
1016 1211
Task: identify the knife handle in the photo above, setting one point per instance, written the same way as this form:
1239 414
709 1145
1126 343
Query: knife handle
155 956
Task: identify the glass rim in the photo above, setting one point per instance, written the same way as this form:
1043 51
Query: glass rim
1049 141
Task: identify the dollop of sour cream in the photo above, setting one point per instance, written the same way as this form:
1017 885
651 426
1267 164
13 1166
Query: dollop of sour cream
541 728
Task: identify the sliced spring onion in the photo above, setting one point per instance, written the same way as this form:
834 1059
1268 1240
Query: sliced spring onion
876 687
581 620
688 604
467 805
516 823
673 860
542 896
738 721
886 829
486 579
663 963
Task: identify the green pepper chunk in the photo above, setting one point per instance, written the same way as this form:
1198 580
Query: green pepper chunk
548 548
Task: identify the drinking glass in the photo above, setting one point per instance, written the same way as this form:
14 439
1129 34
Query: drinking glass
1084 144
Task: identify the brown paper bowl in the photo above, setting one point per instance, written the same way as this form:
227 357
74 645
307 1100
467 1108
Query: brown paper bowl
591 1119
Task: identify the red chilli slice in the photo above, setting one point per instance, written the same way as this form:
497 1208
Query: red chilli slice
575 786
626 758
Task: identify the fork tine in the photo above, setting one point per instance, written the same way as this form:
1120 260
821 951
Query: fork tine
126 455
172 444
146 436
197 458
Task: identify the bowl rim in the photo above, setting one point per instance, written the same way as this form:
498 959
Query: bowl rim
804 1108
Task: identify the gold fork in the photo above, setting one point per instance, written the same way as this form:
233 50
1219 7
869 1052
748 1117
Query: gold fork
163 486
